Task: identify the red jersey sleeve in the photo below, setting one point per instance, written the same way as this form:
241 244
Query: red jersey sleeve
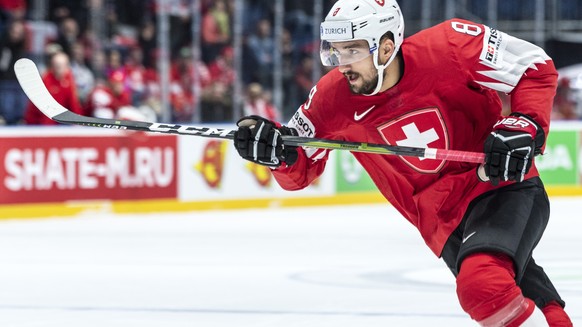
495 60
311 162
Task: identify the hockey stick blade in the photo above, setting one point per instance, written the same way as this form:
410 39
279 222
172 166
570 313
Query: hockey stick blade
31 82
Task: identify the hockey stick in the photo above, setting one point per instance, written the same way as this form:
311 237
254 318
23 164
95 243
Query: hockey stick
32 84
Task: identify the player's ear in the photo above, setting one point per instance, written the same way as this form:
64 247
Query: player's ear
386 49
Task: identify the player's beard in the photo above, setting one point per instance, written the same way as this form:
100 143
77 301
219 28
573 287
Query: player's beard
367 87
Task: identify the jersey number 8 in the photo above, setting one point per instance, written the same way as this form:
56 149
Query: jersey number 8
469 29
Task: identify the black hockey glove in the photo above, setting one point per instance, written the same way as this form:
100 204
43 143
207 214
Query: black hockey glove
511 147
259 140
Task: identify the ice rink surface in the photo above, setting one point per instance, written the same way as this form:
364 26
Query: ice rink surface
328 266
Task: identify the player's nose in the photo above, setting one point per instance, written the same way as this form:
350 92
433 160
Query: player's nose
344 68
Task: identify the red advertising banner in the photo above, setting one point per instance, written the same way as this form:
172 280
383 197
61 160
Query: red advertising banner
59 168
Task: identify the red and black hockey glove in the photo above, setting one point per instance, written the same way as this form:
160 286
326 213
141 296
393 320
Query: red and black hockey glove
259 140
511 147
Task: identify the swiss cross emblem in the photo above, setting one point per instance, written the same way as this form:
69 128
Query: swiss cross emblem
381 2
423 128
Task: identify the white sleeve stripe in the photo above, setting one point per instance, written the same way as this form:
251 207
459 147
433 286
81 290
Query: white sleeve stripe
315 153
510 59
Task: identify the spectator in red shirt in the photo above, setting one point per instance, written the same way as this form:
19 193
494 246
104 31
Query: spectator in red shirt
222 69
257 103
61 85
106 99
184 65
184 74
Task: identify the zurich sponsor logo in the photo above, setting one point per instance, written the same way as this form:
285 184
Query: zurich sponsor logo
336 30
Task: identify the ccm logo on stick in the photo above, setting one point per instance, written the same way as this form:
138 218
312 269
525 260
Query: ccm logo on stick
203 131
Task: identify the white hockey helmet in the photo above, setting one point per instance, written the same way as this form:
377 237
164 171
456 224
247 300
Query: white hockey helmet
368 20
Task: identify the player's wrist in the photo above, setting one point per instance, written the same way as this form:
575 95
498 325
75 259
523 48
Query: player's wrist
518 122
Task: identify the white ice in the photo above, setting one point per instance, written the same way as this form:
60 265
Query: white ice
342 266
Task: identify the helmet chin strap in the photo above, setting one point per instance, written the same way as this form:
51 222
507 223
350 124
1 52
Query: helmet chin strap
380 69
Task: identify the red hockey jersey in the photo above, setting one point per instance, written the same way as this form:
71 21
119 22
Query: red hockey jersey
447 98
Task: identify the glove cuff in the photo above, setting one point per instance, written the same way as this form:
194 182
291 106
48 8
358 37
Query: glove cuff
518 121
288 131
540 137
289 152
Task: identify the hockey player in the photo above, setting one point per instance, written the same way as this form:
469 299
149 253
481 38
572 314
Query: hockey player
437 89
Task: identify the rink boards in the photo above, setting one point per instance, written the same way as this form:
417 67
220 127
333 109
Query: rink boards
66 170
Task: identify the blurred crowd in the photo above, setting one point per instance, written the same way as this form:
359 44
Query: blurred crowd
116 75
113 72
568 101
